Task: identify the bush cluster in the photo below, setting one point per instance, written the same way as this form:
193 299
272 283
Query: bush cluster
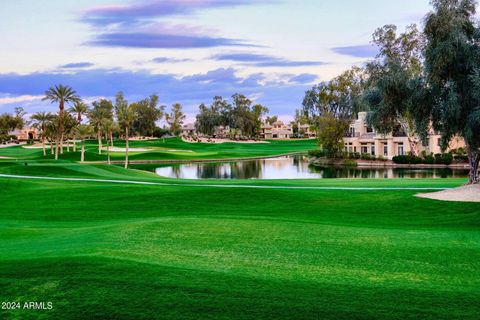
441 158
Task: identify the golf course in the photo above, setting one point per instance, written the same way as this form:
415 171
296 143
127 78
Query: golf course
102 242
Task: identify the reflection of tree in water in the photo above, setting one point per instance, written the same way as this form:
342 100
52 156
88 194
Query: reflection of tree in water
177 171
246 169
232 170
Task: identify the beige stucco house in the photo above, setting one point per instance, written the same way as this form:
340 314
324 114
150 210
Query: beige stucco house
26 133
363 139
277 130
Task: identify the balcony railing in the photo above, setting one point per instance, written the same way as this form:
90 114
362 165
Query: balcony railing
352 135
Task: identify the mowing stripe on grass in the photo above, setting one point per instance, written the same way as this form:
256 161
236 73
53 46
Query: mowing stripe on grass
218 185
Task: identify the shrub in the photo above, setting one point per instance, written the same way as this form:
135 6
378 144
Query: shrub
354 155
316 153
445 158
366 156
382 158
350 163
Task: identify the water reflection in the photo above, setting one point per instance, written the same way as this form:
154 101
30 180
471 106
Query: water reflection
292 167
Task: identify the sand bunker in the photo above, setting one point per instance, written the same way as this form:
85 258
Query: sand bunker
220 141
462 194
116 149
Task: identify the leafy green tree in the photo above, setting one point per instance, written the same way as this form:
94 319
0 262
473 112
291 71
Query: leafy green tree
148 113
392 81
175 119
9 123
330 133
450 99
271 120
40 121
258 111
62 95
208 119
340 97
331 106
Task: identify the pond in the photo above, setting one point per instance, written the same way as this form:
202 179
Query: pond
291 167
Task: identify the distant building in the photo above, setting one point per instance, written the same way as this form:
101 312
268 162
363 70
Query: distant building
26 133
306 131
363 139
278 130
188 129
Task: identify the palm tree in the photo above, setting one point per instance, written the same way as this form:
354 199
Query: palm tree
79 109
40 120
126 116
84 131
62 95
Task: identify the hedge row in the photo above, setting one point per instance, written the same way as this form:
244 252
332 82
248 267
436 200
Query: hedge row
444 158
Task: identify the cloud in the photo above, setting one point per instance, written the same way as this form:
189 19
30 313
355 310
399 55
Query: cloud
169 60
143 25
7 99
76 65
137 12
362 51
262 60
162 41
304 78
280 96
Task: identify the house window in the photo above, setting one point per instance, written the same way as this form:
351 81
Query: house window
401 150
369 129
385 149
373 150
425 142
364 148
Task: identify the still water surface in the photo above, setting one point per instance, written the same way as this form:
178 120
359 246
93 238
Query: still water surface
292 167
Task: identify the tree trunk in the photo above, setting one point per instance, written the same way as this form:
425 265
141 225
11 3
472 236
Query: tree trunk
51 147
82 157
68 145
75 143
108 152
61 142
43 143
111 138
56 146
60 129
99 142
473 161
126 147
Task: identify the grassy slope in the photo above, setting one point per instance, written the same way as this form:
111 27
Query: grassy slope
131 251
171 149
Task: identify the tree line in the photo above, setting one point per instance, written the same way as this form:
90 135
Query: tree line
103 119
421 80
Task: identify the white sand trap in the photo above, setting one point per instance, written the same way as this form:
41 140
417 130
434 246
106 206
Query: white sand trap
220 141
462 194
188 151
116 149
1 157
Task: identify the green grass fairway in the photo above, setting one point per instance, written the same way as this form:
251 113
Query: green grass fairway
170 149
117 251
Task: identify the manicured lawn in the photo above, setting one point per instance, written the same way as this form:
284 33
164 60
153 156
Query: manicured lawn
170 149
118 251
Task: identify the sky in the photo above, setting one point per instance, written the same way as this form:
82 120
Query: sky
187 51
